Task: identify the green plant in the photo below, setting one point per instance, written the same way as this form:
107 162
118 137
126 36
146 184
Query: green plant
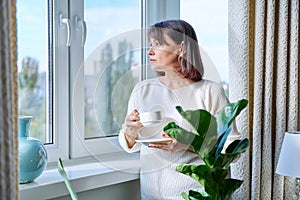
207 139
63 173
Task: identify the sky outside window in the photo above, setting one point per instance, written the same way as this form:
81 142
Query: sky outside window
210 21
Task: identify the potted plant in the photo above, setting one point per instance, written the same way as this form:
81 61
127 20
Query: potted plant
207 139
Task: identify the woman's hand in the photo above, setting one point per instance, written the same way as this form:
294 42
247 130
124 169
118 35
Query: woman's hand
170 146
133 126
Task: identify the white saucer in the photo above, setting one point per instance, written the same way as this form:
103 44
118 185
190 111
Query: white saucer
152 123
153 140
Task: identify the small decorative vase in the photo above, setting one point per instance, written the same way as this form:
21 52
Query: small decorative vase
32 153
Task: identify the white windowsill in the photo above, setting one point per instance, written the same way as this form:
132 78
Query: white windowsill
84 174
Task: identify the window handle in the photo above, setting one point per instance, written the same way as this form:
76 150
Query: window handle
66 21
80 25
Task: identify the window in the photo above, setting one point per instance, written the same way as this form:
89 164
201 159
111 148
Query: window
41 79
104 73
33 72
112 62
77 62
210 21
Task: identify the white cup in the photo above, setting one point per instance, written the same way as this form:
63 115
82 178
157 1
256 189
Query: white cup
153 124
148 118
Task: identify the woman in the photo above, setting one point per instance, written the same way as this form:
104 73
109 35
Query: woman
175 56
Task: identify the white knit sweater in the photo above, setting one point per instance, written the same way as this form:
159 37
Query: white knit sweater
159 179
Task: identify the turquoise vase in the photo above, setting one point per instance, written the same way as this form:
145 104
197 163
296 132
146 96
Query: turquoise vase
32 153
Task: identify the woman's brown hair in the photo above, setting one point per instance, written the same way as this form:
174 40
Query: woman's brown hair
181 31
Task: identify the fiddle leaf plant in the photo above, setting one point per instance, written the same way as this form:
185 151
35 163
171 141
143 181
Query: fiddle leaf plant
207 139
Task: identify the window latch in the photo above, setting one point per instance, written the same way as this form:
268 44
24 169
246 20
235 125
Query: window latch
66 21
80 25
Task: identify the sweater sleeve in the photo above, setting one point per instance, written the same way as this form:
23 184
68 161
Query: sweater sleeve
215 98
121 137
122 141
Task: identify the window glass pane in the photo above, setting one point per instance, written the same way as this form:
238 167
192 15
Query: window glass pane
210 21
33 65
112 62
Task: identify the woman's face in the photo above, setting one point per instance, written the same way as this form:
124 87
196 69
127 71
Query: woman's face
164 57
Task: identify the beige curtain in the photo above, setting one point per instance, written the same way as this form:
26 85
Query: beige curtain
8 102
264 68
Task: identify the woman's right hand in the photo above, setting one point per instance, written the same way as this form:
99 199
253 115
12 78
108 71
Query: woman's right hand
133 126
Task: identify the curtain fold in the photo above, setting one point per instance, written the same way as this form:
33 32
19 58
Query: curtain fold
264 68
8 102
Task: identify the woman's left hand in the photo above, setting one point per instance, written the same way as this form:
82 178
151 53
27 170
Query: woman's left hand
170 146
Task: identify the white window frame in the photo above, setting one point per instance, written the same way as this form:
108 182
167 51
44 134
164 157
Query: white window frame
68 78
60 107
151 11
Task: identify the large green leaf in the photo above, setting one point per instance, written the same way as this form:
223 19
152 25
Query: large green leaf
200 119
214 154
207 145
225 118
197 172
216 186
232 152
238 146
213 180
199 145
209 178
229 186
205 126
184 137
228 113
199 194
